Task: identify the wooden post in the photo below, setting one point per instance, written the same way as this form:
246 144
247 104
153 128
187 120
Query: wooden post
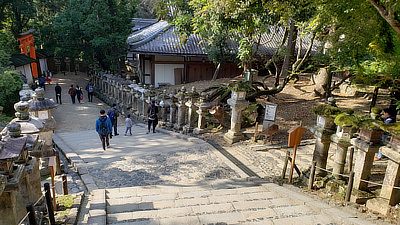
53 188
58 163
32 216
349 187
295 135
351 158
65 184
312 174
49 204
293 164
285 165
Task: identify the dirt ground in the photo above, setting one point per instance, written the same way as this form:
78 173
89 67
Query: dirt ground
296 101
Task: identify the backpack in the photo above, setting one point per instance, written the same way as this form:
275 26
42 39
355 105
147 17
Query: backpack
152 114
103 127
111 114
90 88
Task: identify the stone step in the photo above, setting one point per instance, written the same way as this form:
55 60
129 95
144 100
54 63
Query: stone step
230 213
206 204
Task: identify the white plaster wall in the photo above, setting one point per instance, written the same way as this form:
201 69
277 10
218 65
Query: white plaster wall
164 73
43 65
26 70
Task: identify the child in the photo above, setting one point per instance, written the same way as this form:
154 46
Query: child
128 122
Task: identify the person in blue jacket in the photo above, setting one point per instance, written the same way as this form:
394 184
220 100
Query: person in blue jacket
104 128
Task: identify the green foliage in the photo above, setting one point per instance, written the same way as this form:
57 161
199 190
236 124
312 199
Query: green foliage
95 30
240 86
10 84
326 110
392 128
347 120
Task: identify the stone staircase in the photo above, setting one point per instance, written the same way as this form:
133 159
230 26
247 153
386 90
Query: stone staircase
230 201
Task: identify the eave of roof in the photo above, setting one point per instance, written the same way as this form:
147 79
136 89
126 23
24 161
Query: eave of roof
18 60
160 39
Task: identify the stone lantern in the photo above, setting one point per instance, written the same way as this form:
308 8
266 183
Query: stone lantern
202 106
26 92
238 104
40 107
191 105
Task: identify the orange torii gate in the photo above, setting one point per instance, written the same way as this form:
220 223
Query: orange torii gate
25 40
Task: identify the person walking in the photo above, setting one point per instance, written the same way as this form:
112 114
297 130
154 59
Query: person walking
128 122
58 90
152 111
90 90
79 94
113 115
42 82
104 128
72 93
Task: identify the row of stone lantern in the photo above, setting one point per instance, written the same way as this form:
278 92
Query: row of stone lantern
24 141
178 109
326 132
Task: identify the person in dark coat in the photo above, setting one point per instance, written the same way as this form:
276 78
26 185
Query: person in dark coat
72 93
104 128
113 114
42 82
152 111
79 94
58 93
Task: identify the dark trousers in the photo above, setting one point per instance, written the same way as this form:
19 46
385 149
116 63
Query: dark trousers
104 140
73 99
58 97
150 122
78 96
115 124
90 96
42 85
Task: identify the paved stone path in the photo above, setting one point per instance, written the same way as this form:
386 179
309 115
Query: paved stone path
170 178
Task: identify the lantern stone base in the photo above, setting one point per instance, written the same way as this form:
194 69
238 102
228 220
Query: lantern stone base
199 130
360 197
232 137
379 205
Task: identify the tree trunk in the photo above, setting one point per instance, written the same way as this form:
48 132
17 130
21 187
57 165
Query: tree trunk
290 50
374 98
388 14
216 71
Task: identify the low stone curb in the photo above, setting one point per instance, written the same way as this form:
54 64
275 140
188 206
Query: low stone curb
76 208
76 162
98 210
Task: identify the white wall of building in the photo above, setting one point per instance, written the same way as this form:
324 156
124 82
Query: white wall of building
164 73
43 66
26 70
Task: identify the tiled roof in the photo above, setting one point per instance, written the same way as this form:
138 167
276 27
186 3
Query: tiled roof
160 39
142 23
18 60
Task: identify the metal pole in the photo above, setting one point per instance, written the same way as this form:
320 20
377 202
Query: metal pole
349 186
65 184
49 204
285 165
312 175
293 164
32 216
351 158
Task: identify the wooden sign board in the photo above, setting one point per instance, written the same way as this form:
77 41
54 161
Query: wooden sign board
295 134
53 163
270 115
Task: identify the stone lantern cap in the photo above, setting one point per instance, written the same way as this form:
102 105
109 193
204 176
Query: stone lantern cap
40 102
12 148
